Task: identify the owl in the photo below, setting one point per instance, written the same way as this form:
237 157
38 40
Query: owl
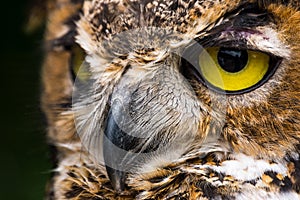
173 99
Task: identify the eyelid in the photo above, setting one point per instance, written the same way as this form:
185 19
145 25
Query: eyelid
264 39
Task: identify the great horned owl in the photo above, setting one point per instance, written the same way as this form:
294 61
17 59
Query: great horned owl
173 99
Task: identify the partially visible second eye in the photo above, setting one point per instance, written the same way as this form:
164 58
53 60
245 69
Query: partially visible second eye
233 70
79 67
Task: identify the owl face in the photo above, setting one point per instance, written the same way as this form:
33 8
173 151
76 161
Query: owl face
164 82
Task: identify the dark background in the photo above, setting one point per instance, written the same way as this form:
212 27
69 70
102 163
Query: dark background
24 164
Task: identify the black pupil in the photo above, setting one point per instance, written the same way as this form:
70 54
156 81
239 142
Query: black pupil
232 60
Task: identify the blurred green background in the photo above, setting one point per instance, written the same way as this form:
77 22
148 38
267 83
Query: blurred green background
24 164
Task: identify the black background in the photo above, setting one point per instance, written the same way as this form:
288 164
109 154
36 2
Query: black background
24 164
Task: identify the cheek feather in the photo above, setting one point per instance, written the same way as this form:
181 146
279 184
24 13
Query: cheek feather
178 138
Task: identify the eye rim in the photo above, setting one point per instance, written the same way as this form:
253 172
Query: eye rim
190 58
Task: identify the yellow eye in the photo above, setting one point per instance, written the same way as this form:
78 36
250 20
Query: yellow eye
78 65
232 70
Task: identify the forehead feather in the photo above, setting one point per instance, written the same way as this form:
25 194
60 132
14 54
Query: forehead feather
103 19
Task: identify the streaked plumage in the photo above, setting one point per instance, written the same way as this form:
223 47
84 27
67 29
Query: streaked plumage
183 137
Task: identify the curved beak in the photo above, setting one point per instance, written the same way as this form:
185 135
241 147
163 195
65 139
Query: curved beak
117 149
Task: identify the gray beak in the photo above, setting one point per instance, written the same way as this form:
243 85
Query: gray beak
117 150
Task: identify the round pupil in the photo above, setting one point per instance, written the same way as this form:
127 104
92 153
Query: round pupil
232 60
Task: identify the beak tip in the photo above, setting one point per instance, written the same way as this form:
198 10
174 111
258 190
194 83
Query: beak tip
117 179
